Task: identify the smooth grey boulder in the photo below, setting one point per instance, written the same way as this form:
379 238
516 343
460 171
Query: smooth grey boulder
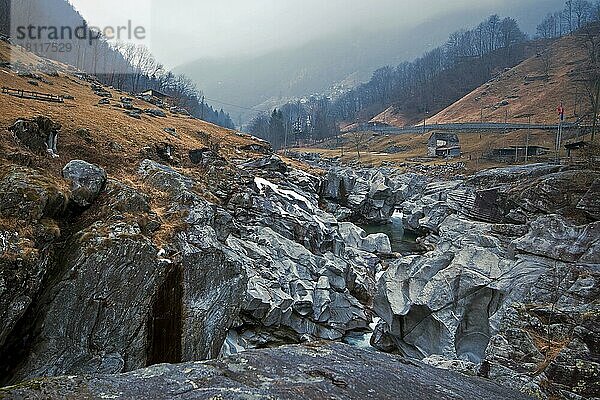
271 163
357 238
87 181
446 302
316 371
213 282
168 180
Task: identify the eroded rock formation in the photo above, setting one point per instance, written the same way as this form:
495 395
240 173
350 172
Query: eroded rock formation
124 287
510 282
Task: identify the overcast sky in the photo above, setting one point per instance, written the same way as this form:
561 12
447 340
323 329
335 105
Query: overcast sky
185 30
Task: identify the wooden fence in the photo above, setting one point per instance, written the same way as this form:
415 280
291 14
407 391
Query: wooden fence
26 94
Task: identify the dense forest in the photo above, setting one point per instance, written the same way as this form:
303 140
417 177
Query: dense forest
426 85
125 66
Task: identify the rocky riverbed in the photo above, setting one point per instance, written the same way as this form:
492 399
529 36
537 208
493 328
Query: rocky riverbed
98 280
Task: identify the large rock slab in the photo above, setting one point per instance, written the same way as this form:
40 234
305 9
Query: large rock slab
554 237
550 339
28 202
590 202
115 300
22 269
370 195
213 280
567 193
316 371
93 319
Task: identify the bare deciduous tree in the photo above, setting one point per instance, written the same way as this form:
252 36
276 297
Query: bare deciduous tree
359 140
591 73
546 59
582 11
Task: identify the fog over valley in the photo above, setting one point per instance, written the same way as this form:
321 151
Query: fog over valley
263 53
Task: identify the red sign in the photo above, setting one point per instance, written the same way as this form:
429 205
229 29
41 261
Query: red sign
561 112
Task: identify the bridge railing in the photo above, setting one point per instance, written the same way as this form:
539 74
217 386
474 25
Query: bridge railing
467 126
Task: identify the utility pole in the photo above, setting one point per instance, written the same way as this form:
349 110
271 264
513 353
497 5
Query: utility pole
561 116
202 115
527 142
528 136
481 127
558 140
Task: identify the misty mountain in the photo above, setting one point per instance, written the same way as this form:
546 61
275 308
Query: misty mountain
312 68
275 77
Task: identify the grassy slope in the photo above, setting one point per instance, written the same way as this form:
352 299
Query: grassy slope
538 97
107 125
453 84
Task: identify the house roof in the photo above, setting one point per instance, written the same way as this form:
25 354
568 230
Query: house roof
450 137
576 145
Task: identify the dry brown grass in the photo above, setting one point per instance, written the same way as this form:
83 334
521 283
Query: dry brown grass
549 347
108 128
302 166
106 124
538 97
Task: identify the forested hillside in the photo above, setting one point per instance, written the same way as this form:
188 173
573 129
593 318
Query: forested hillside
427 84
407 93
125 66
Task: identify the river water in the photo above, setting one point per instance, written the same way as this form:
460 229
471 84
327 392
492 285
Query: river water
403 241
